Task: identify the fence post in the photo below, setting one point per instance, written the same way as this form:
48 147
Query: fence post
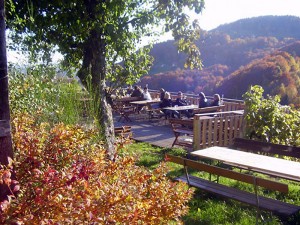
196 131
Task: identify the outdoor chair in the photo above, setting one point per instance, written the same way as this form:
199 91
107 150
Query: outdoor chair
125 112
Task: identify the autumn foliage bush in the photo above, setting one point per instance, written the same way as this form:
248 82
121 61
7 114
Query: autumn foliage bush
65 179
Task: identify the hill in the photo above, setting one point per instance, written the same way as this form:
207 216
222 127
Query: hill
277 73
228 52
234 44
286 26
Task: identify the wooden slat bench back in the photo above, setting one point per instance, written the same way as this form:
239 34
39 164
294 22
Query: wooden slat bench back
123 131
180 128
264 147
216 131
210 109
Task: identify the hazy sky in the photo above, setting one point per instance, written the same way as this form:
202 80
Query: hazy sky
219 12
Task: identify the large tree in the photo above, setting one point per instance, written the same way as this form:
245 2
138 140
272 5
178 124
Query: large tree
93 35
5 135
6 152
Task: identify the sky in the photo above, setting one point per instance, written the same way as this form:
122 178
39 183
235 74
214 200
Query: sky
218 12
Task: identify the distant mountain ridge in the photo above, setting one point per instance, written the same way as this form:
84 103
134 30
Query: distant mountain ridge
249 41
228 52
286 27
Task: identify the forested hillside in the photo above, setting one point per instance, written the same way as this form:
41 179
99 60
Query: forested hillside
234 56
277 73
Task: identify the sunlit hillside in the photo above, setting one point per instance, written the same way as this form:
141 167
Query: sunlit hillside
233 55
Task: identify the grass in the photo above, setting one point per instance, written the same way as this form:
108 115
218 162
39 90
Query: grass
206 209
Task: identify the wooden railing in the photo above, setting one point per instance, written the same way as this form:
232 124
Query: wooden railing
217 130
230 104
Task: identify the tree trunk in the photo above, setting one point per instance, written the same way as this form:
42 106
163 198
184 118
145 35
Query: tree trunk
98 71
106 122
5 132
94 63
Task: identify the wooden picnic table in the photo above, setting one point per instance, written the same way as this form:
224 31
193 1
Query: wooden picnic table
254 162
127 99
149 104
145 102
182 108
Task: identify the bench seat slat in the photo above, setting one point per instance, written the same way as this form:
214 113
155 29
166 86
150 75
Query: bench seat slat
277 207
183 131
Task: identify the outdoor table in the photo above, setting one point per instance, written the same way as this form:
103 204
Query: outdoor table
181 108
127 99
254 162
145 102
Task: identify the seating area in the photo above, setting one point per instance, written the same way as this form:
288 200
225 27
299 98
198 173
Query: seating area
208 126
216 131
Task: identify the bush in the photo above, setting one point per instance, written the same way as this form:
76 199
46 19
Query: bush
269 121
65 179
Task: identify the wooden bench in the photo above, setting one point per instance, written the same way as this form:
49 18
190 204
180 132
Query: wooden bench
120 103
125 112
127 100
233 106
123 132
269 149
155 113
279 208
183 132
266 148
210 109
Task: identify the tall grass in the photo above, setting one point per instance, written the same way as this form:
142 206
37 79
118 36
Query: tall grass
38 91
71 103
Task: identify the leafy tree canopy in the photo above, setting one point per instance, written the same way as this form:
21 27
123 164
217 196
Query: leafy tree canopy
75 28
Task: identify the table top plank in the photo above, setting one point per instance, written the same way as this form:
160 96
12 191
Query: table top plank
145 102
180 108
266 164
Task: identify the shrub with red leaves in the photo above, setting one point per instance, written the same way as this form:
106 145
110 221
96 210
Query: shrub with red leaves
65 179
